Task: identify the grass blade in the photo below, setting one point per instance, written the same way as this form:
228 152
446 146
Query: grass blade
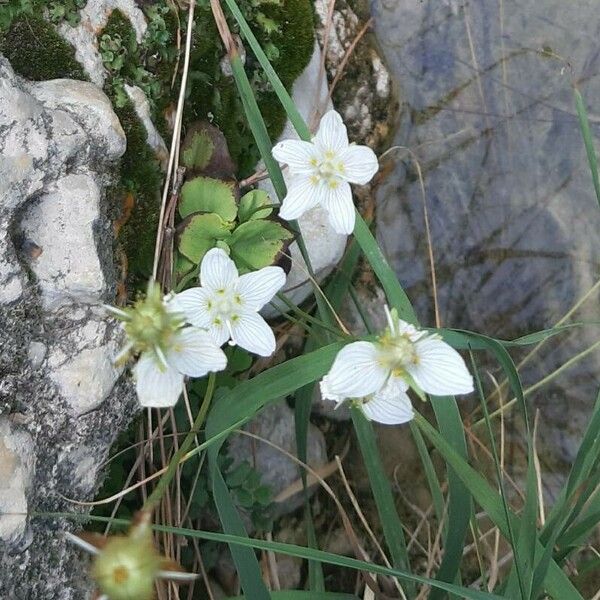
382 492
588 141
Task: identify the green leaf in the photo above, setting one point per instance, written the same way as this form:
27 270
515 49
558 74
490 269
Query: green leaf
257 244
208 195
200 233
382 492
588 141
197 151
250 206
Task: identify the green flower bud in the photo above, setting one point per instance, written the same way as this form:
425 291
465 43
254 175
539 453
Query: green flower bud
127 566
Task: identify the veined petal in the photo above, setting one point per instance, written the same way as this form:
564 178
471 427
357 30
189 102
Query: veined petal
195 353
299 156
302 195
193 304
332 135
251 332
390 405
360 164
258 287
439 369
219 333
217 271
338 203
355 373
156 385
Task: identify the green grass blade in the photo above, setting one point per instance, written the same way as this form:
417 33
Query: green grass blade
556 582
588 141
460 506
292 550
302 595
292 112
382 492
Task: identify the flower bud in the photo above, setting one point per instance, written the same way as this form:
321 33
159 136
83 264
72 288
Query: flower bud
127 566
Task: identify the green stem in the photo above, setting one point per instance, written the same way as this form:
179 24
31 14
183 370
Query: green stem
165 480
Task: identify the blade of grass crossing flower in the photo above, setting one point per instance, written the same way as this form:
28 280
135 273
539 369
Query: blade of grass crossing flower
382 493
556 582
289 550
588 140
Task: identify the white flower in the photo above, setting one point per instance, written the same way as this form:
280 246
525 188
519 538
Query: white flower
167 349
227 304
380 373
322 171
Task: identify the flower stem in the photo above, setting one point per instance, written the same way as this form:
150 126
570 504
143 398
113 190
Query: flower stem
164 481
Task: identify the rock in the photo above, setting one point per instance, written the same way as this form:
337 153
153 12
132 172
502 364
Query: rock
276 424
90 107
61 225
142 109
16 465
61 403
364 95
289 571
325 246
83 36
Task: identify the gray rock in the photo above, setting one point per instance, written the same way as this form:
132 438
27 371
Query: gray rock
83 36
276 424
61 403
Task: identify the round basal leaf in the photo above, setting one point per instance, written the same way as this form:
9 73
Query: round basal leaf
256 244
197 150
204 194
249 208
200 233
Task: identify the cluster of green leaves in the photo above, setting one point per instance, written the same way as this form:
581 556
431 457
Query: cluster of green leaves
140 64
212 216
56 11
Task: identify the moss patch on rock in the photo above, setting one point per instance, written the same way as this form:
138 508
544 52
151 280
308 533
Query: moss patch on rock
37 52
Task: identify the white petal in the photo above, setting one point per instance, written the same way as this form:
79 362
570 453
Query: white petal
193 303
257 288
156 386
355 373
251 332
338 203
302 195
300 156
360 164
75 539
390 405
332 135
439 369
195 353
219 333
217 271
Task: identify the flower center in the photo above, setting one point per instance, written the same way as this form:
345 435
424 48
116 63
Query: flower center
120 574
396 352
226 304
328 170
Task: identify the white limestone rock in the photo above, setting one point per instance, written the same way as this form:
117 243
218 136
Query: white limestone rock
61 226
83 36
16 464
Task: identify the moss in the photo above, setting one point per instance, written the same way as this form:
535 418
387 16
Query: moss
142 177
37 52
214 96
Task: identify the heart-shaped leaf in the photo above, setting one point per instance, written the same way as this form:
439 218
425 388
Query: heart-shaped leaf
208 195
197 150
257 244
250 206
200 233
